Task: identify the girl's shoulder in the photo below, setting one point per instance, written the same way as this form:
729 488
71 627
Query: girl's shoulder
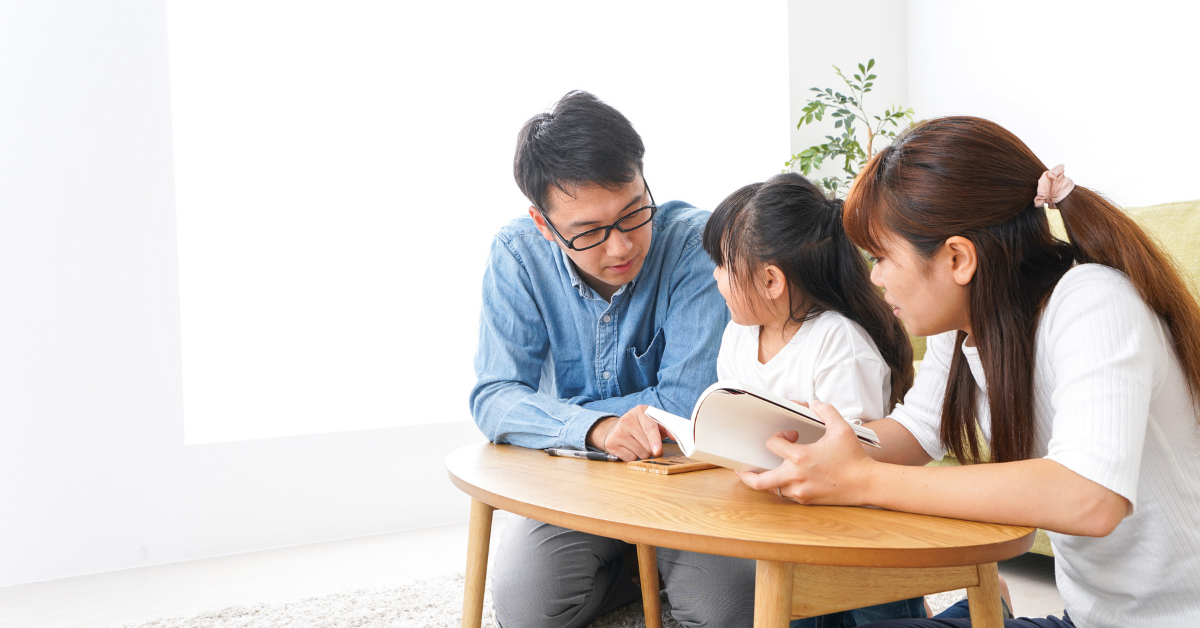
831 331
739 335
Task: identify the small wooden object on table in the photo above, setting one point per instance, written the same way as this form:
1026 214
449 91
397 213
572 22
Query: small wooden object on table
812 560
671 462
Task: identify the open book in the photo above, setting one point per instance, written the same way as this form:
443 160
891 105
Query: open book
731 423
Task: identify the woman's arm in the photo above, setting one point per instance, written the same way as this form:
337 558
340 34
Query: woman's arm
1038 492
899 445
837 471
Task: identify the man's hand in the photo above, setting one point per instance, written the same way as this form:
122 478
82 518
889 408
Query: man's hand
631 437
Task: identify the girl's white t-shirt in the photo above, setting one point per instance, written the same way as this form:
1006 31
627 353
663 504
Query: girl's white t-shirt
1110 403
831 359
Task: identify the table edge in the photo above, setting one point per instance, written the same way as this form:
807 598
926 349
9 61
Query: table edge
757 550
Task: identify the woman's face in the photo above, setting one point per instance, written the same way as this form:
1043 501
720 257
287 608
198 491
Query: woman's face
929 295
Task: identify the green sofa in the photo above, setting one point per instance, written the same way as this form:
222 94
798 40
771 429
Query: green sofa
1176 226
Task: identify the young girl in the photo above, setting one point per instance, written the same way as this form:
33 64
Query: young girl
1079 361
806 322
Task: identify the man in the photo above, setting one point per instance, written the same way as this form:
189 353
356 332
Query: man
598 304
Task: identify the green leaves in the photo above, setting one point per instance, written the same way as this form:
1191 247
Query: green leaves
849 117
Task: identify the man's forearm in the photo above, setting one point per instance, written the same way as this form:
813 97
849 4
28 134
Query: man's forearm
513 413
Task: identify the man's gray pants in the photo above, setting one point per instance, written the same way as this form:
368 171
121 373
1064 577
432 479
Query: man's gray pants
551 577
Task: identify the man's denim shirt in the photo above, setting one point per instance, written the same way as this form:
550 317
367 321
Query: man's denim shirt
554 357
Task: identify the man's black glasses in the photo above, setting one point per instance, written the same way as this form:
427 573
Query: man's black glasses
595 237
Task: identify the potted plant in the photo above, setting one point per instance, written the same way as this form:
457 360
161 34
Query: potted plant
851 118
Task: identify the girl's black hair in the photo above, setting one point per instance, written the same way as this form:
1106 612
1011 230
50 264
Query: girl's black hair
788 222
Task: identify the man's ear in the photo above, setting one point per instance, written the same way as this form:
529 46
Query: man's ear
540 223
774 282
963 259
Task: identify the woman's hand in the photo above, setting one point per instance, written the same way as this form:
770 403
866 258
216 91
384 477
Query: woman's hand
832 471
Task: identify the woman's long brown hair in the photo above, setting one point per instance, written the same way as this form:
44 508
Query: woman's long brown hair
969 177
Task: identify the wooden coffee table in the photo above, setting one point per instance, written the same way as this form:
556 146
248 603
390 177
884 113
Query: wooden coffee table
812 560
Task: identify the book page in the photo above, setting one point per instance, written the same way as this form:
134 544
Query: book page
735 429
681 429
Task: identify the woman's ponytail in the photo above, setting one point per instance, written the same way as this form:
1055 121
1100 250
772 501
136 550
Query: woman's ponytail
970 177
1100 233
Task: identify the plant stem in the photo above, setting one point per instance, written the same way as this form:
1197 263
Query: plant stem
867 123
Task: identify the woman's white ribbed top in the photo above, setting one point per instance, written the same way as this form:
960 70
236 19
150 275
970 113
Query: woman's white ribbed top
1111 404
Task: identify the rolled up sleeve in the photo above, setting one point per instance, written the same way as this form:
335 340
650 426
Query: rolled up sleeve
513 346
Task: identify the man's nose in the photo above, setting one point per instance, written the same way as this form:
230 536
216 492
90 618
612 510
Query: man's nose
618 243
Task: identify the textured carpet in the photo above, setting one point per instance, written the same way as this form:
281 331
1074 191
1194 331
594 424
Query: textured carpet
434 602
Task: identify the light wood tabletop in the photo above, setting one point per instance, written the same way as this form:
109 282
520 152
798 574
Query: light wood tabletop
823 549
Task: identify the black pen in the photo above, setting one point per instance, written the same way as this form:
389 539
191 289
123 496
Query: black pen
586 455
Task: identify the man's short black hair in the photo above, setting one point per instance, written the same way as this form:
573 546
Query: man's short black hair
581 141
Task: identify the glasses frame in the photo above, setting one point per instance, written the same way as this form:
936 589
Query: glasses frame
570 244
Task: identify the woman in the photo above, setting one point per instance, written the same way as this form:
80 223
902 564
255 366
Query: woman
1079 361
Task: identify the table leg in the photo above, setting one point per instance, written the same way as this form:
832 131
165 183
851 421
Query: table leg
479 537
984 599
648 573
773 594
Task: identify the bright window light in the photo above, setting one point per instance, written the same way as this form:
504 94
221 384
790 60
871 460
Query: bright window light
341 168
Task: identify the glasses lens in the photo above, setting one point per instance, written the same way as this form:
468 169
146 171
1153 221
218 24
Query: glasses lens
636 219
589 239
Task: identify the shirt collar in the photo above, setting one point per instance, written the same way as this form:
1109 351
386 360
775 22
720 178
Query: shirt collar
586 291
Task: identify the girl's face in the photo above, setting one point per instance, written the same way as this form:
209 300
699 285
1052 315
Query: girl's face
745 306
929 296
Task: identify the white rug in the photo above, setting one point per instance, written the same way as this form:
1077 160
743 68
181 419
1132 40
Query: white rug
434 602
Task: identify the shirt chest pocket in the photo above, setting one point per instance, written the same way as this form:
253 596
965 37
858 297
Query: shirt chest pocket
641 365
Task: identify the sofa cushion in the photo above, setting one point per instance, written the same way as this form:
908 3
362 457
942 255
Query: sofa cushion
1176 226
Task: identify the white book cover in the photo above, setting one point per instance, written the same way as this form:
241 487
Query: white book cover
732 422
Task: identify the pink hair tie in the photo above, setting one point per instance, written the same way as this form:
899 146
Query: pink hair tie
1053 186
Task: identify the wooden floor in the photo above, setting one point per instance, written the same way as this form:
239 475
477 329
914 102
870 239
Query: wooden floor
134 595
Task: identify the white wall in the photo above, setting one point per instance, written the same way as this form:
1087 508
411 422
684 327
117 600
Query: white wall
94 472
823 34
342 166
1106 88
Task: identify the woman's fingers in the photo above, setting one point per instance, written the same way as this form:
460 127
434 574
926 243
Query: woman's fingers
834 422
828 471
749 478
781 445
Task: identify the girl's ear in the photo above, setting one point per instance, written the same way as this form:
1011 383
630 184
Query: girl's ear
774 282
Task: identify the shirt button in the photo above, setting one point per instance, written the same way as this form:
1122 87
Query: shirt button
607 318
606 375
